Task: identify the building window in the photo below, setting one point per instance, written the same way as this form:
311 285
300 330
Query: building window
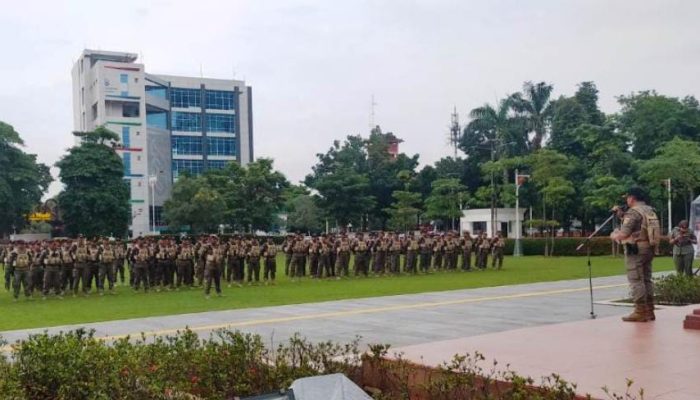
187 145
131 110
191 167
220 123
479 227
157 91
126 139
187 122
124 84
221 146
157 118
217 164
160 221
185 98
220 99
127 163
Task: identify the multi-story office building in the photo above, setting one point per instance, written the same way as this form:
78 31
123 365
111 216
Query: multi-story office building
167 125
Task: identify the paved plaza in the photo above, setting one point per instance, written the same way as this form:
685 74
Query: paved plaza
397 320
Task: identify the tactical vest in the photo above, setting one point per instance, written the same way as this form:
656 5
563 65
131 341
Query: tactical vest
271 250
66 256
81 254
108 255
53 258
255 251
22 260
93 253
185 254
142 255
651 228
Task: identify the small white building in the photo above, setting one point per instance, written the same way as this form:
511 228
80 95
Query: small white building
478 220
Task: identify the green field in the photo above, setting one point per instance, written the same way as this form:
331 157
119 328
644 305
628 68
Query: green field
127 304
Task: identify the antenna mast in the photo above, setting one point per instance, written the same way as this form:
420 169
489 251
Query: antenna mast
455 131
371 113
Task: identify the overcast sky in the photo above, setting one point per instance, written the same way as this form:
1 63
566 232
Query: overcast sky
314 65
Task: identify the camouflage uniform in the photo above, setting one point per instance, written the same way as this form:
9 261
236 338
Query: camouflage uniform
638 254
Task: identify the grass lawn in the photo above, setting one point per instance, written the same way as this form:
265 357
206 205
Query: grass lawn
127 304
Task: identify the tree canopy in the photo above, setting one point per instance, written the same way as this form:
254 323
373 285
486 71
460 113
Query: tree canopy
95 198
22 181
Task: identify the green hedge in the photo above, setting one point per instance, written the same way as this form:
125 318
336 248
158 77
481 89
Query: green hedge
230 364
677 289
600 246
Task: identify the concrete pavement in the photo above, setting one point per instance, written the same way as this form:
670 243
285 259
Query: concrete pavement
397 320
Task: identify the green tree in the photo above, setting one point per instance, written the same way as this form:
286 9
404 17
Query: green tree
355 179
550 172
194 204
651 120
384 173
404 211
678 160
95 198
304 215
534 105
254 194
22 180
446 200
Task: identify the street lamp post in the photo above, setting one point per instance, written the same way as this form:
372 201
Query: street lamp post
518 250
152 180
668 191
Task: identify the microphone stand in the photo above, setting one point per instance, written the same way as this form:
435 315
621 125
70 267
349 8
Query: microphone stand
587 243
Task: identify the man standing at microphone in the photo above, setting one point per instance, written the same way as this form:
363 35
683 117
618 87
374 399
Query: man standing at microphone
640 233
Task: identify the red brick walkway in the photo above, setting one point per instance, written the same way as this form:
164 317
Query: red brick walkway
661 356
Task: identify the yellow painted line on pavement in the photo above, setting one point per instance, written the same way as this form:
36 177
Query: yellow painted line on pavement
360 311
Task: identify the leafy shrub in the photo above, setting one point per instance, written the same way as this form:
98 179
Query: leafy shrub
229 364
677 289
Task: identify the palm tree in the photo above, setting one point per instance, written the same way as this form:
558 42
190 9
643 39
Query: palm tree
494 128
493 123
535 106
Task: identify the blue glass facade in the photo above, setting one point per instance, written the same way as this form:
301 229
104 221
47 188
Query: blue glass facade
193 167
126 137
217 146
220 99
157 91
217 164
209 124
186 121
124 80
220 123
187 145
157 119
180 97
126 159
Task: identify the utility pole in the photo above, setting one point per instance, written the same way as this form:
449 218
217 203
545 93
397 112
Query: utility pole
455 131
519 180
152 180
668 191
493 191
